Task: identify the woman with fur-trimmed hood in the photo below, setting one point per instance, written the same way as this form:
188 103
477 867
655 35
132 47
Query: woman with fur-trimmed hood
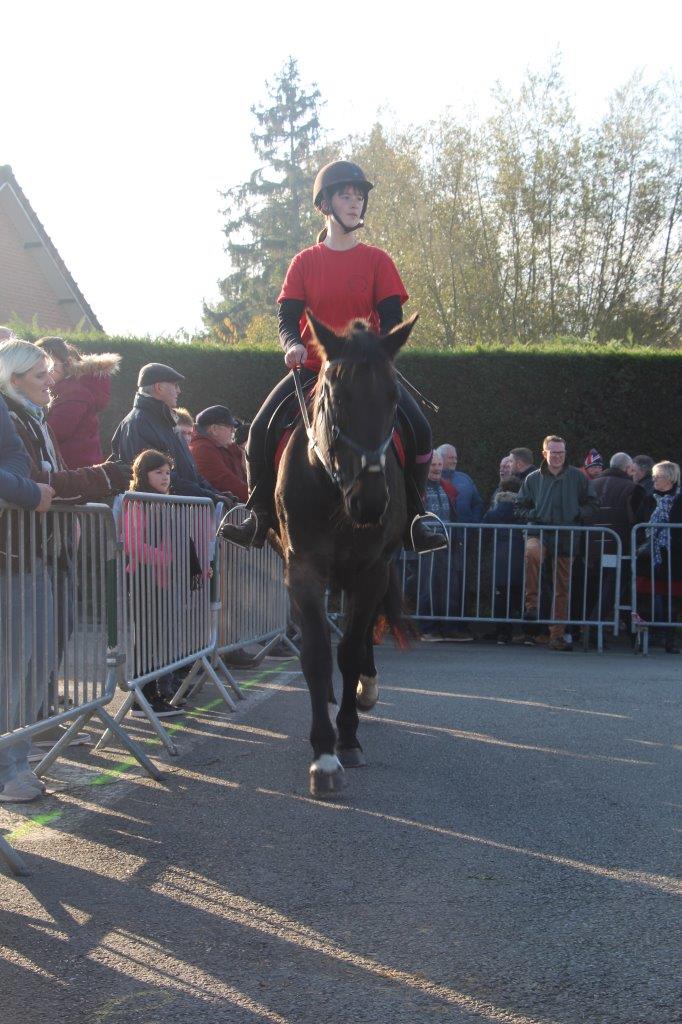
81 391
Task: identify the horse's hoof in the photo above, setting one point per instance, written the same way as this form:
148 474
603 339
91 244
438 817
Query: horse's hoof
367 693
327 777
351 757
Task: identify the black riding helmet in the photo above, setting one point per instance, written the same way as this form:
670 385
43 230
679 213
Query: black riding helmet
332 177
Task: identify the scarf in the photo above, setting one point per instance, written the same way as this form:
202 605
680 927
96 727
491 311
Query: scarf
33 417
661 514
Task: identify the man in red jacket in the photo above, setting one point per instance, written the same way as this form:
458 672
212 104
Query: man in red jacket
218 458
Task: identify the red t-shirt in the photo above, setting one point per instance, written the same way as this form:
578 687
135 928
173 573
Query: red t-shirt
341 286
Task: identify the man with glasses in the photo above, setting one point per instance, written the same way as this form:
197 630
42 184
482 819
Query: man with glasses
554 495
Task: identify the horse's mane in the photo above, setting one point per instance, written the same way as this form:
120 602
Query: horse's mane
361 348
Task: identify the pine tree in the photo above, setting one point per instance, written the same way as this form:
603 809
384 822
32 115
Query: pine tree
269 217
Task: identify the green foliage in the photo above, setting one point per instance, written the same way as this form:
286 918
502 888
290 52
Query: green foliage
262 331
269 216
491 398
525 226
513 228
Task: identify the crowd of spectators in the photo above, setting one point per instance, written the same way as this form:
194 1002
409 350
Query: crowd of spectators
542 569
51 398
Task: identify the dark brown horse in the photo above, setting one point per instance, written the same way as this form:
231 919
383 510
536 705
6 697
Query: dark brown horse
341 505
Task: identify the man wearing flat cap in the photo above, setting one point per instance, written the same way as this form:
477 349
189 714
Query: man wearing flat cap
151 423
218 458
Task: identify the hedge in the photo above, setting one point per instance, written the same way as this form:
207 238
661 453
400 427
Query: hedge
490 399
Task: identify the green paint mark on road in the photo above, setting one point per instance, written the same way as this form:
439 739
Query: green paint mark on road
114 773
35 821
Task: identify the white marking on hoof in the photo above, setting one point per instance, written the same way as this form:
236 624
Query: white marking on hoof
367 691
327 763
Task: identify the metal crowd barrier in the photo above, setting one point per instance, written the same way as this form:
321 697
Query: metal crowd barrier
525 574
58 634
656 594
253 600
483 578
166 556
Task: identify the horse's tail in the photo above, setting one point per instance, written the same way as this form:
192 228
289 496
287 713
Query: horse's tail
392 613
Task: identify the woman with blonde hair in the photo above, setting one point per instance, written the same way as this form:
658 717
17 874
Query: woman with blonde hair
25 383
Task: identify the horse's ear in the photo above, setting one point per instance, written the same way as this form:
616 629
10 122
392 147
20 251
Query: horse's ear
328 342
397 336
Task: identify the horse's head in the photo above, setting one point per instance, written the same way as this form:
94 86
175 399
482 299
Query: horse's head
355 409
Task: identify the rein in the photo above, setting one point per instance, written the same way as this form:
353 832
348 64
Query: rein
371 460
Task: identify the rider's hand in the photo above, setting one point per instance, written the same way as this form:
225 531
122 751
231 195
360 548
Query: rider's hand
295 356
47 493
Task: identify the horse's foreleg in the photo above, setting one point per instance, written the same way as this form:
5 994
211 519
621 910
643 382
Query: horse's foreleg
352 656
307 595
368 681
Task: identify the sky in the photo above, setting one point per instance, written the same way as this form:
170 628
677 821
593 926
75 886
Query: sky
123 122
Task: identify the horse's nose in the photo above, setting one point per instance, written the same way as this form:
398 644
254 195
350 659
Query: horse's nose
367 505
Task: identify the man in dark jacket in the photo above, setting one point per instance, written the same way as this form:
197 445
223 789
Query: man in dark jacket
554 495
522 462
150 424
622 504
640 472
622 501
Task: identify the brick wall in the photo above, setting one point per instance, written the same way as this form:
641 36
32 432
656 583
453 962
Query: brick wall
24 290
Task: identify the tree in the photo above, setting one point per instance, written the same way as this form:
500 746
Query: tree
269 217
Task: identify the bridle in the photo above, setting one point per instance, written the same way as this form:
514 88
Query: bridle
371 460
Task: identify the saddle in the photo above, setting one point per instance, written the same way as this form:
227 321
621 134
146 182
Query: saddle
287 416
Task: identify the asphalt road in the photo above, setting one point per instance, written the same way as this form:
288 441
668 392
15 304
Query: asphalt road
511 854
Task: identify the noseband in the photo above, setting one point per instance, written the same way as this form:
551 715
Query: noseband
371 460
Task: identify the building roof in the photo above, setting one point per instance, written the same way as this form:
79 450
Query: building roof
37 241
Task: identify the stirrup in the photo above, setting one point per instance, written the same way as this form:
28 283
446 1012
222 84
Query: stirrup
231 531
444 543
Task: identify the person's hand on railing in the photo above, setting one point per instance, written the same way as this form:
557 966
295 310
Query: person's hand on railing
230 500
118 473
47 493
295 356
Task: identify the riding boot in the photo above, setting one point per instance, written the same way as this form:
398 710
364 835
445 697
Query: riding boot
253 532
424 531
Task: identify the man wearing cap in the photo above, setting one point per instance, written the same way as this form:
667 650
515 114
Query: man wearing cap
151 424
217 456
593 466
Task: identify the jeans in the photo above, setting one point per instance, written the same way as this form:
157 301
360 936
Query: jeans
27 656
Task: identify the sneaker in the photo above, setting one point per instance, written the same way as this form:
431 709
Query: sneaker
529 640
460 636
29 778
18 792
168 686
503 639
240 658
160 707
431 637
557 643
48 739
280 651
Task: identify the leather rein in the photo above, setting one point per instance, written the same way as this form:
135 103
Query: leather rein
371 460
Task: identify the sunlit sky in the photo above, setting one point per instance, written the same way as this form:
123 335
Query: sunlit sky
122 122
